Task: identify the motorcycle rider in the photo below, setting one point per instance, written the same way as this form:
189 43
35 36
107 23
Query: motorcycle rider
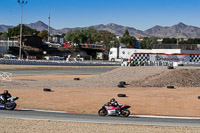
5 95
114 103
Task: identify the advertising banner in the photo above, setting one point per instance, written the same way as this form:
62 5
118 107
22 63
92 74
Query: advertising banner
169 58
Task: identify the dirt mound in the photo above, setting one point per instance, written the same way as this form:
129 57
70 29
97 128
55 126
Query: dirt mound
127 74
176 77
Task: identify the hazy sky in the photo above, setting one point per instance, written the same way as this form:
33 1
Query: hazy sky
140 14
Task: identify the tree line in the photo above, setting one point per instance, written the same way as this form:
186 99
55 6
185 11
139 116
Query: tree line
93 36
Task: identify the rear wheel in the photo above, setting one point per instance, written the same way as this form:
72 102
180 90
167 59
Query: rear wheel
10 105
102 112
125 113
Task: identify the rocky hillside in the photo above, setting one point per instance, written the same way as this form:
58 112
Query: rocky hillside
180 30
176 77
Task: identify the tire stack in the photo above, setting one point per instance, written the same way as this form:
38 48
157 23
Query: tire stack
76 78
121 95
170 67
47 90
170 87
121 84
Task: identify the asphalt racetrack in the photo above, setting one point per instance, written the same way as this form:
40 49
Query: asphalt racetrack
56 71
69 117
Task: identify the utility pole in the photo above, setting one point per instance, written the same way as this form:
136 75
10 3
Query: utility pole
22 3
177 36
49 28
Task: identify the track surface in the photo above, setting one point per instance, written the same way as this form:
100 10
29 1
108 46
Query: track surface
132 120
61 71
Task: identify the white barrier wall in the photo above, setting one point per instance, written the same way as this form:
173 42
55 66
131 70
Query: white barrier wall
164 59
56 63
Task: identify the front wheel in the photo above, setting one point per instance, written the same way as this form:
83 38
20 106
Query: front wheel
102 112
10 105
125 113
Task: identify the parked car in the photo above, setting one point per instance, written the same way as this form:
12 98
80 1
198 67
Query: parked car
9 56
67 45
53 44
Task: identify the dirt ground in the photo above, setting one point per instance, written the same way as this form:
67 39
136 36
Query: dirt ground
38 126
180 101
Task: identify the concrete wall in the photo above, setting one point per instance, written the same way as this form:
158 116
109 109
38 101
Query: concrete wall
56 63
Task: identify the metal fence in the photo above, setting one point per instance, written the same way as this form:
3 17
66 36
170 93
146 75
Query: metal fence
8 43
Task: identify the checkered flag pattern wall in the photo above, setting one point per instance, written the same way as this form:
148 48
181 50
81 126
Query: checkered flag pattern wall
194 58
140 57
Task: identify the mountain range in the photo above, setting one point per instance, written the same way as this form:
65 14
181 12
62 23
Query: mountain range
180 30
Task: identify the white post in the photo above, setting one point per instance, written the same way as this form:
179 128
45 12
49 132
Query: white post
22 3
20 45
49 29
8 44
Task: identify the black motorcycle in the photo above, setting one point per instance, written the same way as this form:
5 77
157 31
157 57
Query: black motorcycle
10 104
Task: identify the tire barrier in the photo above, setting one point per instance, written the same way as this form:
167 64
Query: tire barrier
121 86
122 83
180 64
76 78
170 67
170 87
47 90
121 95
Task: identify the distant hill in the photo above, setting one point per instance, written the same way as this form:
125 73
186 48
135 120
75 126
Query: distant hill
39 26
4 28
113 28
180 30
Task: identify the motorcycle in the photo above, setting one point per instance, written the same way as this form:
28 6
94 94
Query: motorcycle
108 110
10 104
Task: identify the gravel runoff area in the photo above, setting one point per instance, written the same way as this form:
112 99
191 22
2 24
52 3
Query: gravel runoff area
105 80
133 76
42 126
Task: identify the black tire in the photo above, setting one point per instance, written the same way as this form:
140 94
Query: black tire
112 60
102 112
170 67
10 105
170 87
125 113
121 95
120 86
47 89
180 64
76 78
198 97
122 83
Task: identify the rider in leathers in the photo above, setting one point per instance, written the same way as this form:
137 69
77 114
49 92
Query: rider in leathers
5 95
114 103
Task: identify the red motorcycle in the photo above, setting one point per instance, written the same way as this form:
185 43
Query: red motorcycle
108 110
